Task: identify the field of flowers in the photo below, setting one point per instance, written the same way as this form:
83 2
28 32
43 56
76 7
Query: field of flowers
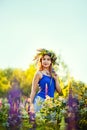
64 112
67 111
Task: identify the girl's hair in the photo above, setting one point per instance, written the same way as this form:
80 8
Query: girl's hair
40 67
43 52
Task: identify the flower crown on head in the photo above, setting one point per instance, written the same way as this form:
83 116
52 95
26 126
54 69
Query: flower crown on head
42 52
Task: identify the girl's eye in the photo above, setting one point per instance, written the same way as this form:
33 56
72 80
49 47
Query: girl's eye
46 59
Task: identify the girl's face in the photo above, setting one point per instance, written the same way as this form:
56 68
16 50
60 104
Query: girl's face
46 61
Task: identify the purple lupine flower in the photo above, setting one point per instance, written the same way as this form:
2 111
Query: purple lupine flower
46 89
32 116
72 112
70 98
14 96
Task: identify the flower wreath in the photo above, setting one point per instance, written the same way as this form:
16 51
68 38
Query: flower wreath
42 52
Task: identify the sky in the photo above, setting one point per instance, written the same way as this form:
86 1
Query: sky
26 25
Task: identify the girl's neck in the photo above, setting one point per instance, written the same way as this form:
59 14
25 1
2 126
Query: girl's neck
46 71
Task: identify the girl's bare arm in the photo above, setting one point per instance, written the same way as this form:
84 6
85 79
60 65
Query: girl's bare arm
34 86
58 88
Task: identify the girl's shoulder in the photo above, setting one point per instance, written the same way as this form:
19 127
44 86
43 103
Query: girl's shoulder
39 74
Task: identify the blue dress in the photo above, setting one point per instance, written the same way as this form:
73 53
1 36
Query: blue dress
47 87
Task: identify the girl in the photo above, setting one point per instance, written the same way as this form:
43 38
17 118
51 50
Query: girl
45 78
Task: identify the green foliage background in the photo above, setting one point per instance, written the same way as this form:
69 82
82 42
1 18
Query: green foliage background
25 78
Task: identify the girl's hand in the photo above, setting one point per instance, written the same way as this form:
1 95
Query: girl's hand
32 108
54 75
